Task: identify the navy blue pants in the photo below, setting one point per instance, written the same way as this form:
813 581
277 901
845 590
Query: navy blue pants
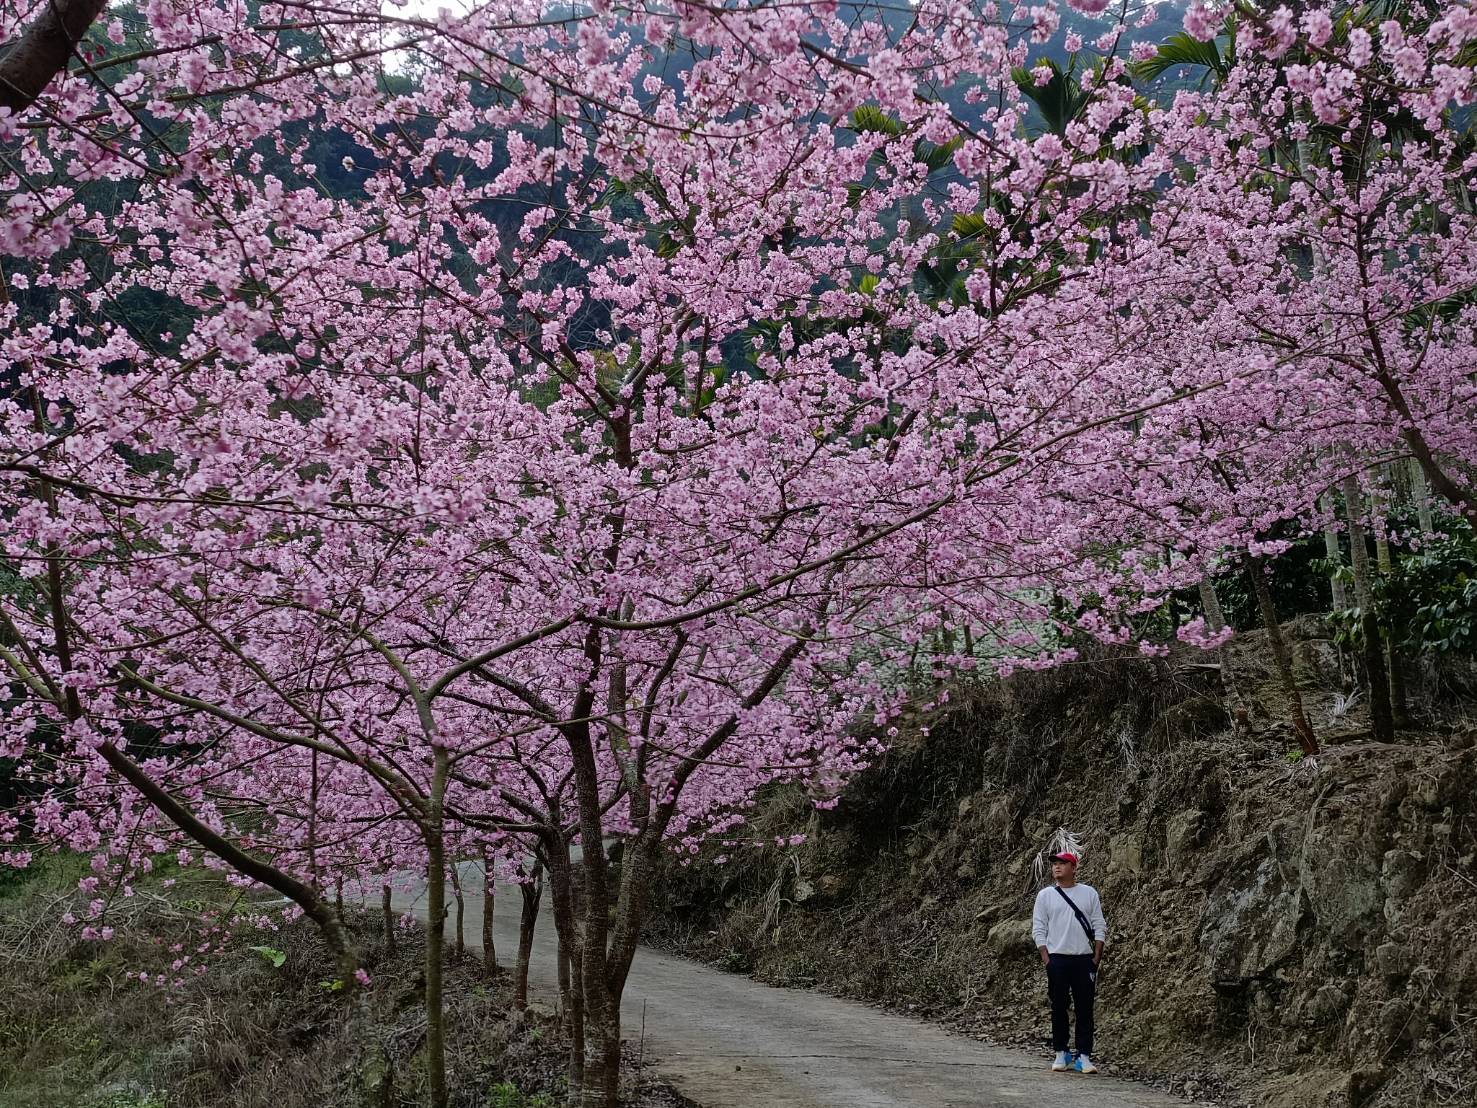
1071 980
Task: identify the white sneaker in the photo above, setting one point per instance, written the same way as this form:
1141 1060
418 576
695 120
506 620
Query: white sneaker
1084 1064
1062 1063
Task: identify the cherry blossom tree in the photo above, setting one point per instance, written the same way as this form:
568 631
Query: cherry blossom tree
529 428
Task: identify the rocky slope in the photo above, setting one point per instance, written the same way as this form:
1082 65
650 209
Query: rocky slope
1286 931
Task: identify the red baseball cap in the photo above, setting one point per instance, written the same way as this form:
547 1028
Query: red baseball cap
1065 856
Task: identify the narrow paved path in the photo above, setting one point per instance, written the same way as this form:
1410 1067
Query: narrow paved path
729 1042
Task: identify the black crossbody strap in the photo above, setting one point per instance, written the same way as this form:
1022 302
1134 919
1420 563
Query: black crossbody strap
1076 911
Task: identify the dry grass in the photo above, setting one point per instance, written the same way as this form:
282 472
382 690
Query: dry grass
77 1032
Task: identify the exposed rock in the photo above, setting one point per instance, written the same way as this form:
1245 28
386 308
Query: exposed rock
1250 922
1184 832
1011 936
1401 874
1326 1006
1126 854
1393 960
1342 885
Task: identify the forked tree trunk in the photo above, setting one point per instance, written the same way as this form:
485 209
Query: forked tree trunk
531 891
387 913
1381 718
1281 655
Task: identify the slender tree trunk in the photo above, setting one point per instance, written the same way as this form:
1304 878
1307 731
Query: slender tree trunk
531 891
1420 492
561 889
461 910
489 902
436 930
1334 553
601 1002
387 913
338 897
1255 570
1381 718
1215 619
1399 714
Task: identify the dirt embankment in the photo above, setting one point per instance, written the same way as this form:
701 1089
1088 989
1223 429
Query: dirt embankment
1286 932
262 1027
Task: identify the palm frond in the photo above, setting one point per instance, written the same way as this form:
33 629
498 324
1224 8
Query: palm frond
1184 49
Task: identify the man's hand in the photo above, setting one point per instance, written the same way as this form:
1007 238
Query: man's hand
1045 956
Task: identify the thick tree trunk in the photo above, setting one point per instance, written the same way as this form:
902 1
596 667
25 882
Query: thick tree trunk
531 891
489 902
1381 717
436 932
387 914
28 64
1255 570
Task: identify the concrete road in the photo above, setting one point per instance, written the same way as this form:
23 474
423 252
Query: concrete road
729 1042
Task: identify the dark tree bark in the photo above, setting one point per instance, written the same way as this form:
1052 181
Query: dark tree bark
532 892
28 63
436 932
489 903
387 913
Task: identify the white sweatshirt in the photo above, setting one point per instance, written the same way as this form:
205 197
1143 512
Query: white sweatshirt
1054 926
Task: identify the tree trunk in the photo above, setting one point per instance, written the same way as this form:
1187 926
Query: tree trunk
1420 492
436 931
461 920
1255 570
561 888
1334 553
489 902
387 912
1399 714
1381 718
531 892
29 63
602 1051
338 897
1215 619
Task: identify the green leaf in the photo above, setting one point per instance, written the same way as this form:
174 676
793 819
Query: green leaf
272 955
1185 49
936 156
870 118
969 224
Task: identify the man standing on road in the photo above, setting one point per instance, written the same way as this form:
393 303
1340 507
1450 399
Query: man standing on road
1070 930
